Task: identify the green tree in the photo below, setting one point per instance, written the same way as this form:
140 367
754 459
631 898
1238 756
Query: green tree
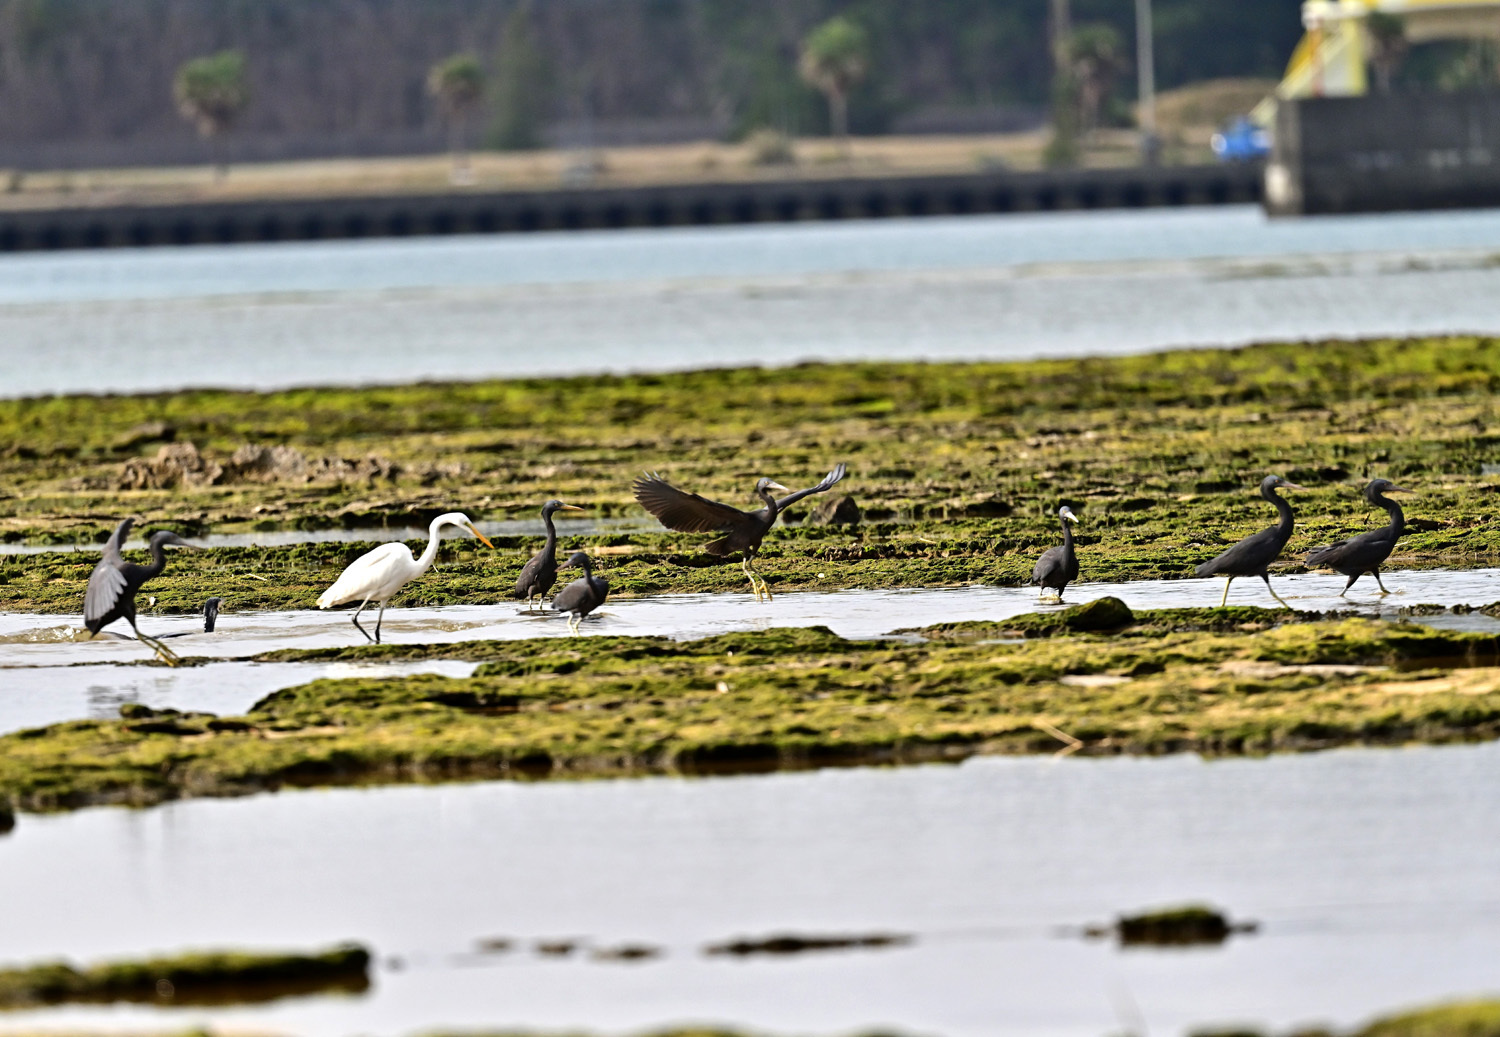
458 84
1388 46
211 92
1097 56
835 58
522 85
1062 146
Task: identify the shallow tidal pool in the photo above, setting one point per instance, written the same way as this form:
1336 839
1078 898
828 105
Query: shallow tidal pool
1374 875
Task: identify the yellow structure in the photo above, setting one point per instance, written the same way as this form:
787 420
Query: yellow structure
1331 59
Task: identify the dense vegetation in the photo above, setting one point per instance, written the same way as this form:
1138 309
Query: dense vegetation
78 69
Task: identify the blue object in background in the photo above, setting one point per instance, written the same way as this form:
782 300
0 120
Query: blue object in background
1241 141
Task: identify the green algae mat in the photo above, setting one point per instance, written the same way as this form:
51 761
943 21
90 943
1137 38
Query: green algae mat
1101 681
959 468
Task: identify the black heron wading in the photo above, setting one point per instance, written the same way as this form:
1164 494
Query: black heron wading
1253 555
582 596
690 513
115 582
1058 566
539 574
1368 551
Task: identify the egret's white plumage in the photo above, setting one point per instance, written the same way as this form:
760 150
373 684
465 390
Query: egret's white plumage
377 575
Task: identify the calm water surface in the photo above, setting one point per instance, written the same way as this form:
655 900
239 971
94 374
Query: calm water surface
1375 875
258 316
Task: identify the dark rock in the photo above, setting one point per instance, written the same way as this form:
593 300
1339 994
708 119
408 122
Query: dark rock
1192 925
791 943
837 511
1100 614
988 507
7 818
626 952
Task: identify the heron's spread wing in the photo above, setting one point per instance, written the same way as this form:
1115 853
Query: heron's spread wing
106 584
827 484
685 512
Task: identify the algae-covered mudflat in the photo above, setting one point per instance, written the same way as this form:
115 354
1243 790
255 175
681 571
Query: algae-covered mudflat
1094 678
958 468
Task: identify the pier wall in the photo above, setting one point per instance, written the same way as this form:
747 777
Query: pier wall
484 212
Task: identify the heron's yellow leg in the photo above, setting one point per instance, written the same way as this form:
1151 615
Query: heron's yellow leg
1225 600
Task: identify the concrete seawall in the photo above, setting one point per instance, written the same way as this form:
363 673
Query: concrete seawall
473 212
1384 153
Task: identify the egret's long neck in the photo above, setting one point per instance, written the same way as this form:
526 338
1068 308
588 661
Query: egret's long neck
1393 509
587 565
551 530
433 540
1283 509
1067 534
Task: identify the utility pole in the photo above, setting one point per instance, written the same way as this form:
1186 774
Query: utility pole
1145 64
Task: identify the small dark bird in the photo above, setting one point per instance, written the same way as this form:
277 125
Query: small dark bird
582 596
690 513
539 574
211 614
1253 555
115 582
1058 566
1365 553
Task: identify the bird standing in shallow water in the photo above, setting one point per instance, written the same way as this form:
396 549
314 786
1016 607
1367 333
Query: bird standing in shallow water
1058 566
539 574
744 530
115 582
1368 551
377 575
584 595
1253 555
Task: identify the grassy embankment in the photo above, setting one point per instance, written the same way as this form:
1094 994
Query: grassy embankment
959 468
1215 680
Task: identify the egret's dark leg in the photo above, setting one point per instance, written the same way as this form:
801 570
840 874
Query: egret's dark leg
355 620
1378 580
378 620
1348 585
1267 578
1225 599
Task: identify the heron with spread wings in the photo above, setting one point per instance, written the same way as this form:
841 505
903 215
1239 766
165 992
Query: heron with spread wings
743 530
115 582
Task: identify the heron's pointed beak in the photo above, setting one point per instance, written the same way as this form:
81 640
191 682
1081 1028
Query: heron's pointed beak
1291 486
1398 489
482 538
777 486
570 507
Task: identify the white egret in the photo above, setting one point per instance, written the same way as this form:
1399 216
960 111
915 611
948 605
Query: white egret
377 575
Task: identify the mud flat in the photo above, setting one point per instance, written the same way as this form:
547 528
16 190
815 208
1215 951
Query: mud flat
1096 678
957 468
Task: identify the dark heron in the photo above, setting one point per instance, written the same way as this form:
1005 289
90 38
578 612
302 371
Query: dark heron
584 595
1365 553
1058 566
539 574
690 513
210 617
115 582
1253 555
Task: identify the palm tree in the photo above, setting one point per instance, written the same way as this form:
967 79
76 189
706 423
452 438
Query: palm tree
211 92
1387 46
457 83
1097 56
835 57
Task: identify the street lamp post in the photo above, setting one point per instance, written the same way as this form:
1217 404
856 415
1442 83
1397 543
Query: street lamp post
1145 63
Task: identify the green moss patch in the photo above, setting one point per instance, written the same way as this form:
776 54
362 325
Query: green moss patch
781 699
958 471
206 978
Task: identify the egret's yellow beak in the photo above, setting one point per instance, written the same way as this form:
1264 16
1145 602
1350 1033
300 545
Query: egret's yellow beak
569 507
483 539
